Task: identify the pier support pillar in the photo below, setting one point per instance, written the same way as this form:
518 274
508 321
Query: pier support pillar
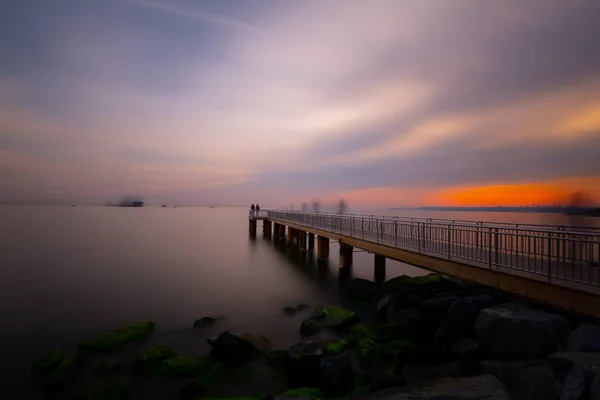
267 229
301 241
379 268
290 234
311 241
276 231
252 227
322 248
282 232
346 255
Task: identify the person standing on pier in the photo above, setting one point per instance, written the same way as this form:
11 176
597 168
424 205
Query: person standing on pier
252 210
257 209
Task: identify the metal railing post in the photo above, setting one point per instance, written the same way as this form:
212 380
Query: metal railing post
395 232
490 247
549 256
496 246
449 241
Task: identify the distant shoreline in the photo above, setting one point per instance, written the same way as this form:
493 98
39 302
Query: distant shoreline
593 212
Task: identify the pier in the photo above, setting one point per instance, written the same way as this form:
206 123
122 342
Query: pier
554 265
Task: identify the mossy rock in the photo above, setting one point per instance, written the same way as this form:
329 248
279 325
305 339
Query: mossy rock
114 340
279 361
111 391
205 322
49 361
233 398
208 378
108 368
186 365
151 358
360 332
306 393
397 350
334 348
292 310
329 317
57 368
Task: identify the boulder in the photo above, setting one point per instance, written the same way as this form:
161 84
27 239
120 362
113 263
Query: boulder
473 388
363 290
205 322
525 380
238 347
585 338
398 302
422 286
305 358
402 318
512 331
329 317
576 374
335 375
461 318
433 313
467 351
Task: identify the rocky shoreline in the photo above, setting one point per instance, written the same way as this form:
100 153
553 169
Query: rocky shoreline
424 338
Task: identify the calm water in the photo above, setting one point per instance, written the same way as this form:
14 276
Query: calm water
71 273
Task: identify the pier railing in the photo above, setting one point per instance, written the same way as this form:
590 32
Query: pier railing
566 253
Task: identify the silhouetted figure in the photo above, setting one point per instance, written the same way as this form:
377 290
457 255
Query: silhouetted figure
252 209
257 208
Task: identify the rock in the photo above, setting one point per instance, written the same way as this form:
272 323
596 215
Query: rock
575 373
387 381
289 310
585 338
305 357
512 331
238 347
433 313
398 301
186 365
467 351
151 357
205 322
114 390
473 388
421 286
199 385
363 290
329 317
335 375
108 368
303 393
461 318
403 318
114 340
525 380
57 369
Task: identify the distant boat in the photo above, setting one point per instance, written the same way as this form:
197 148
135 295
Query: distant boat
127 201
212 206
164 205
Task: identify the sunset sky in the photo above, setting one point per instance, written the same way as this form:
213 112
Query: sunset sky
385 103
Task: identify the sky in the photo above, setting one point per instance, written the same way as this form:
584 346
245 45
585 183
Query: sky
381 102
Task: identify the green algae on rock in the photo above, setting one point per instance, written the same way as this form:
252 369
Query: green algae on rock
49 361
329 317
336 347
151 358
291 310
360 332
57 368
305 392
186 365
116 339
208 378
110 391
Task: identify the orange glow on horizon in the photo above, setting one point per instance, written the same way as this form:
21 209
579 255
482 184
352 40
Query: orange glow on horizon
525 194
